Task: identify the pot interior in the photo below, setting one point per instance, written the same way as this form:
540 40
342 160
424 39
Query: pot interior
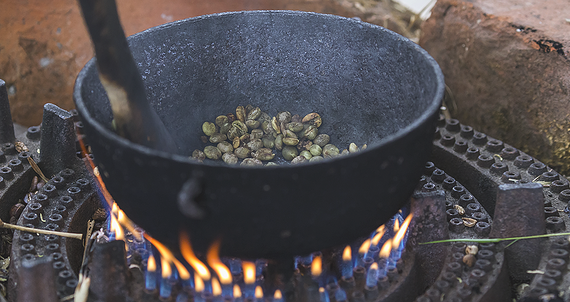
366 82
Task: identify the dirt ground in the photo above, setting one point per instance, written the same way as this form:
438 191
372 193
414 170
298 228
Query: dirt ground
44 44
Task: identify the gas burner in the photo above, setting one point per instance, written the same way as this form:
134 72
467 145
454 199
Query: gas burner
474 187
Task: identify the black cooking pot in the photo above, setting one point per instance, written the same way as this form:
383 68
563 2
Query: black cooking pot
370 85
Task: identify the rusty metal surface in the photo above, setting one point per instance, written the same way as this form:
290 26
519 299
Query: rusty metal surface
36 282
109 272
520 212
6 125
506 65
430 224
544 196
65 203
57 143
482 164
458 281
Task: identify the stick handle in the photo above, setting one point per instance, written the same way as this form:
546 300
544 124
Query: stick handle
134 118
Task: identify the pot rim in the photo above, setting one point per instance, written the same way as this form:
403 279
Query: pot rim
431 109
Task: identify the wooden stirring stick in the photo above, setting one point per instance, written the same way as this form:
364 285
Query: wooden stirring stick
134 118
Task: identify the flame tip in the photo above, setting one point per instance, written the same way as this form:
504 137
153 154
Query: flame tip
213 259
347 253
402 231
216 287
198 284
151 263
258 292
386 248
248 272
188 254
317 266
237 291
365 246
166 269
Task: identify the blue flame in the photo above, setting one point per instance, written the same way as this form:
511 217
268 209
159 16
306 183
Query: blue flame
182 297
260 265
235 266
208 286
248 290
324 296
347 269
340 295
306 260
198 297
372 252
372 277
150 280
153 280
165 288
331 279
382 268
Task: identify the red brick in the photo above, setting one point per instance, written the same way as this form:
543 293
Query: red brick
507 65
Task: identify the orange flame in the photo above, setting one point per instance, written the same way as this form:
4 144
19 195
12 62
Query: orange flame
258 292
167 255
364 247
151 264
127 223
376 239
237 291
166 269
198 284
95 170
114 209
214 262
118 230
248 272
347 254
386 248
396 225
317 266
380 229
216 287
277 295
374 266
182 271
402 232
186 249
115 227
162 249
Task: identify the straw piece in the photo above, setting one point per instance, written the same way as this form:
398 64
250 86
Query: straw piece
39 231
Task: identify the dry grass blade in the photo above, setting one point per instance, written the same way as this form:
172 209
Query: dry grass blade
39 231
82 290
37 169
495 240
90 226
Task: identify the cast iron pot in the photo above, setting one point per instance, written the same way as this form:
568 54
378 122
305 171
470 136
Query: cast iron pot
370 85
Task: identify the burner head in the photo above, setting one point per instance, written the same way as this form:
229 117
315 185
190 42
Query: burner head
370 85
